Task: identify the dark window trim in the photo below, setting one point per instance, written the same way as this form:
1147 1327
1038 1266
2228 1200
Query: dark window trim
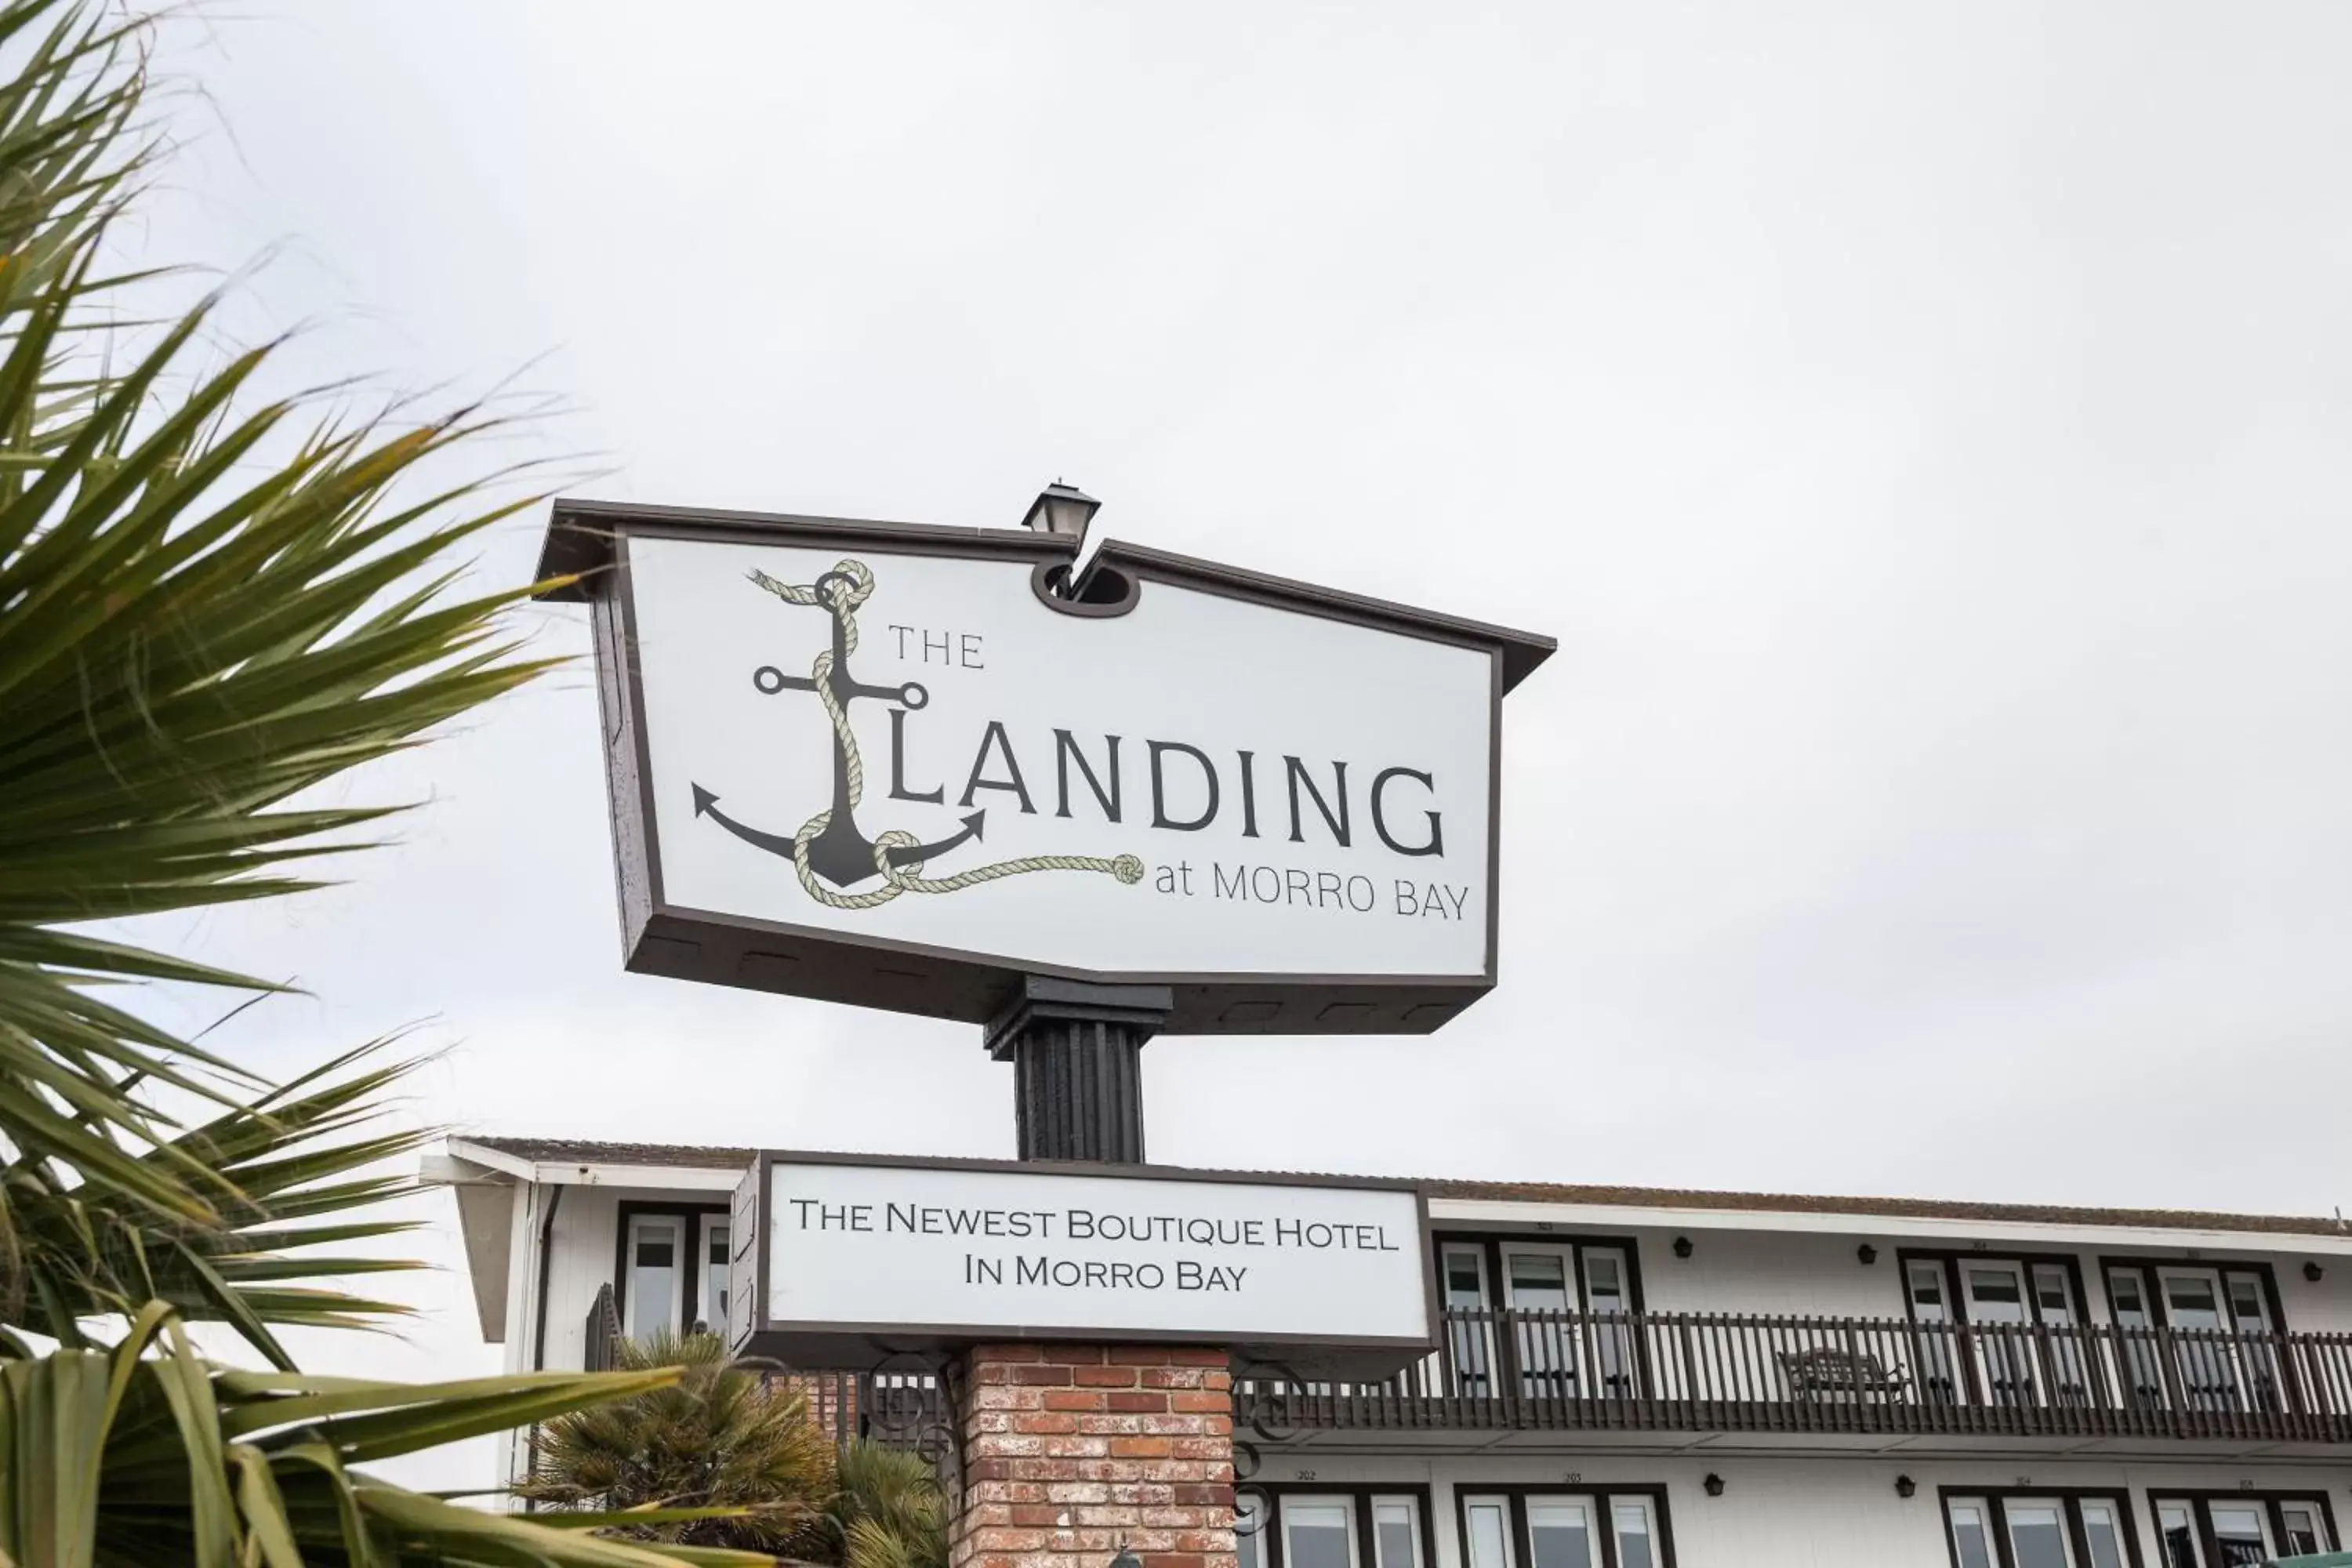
1494 1241
1603 1493
689 1242
2078 1540
1359 1495
2161 1314
2201 1510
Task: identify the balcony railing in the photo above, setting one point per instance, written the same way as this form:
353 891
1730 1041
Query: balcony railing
1698 1372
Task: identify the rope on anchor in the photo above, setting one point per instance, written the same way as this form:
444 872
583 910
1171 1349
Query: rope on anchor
840 593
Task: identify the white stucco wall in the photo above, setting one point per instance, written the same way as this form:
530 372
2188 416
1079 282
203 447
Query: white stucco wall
1801 1512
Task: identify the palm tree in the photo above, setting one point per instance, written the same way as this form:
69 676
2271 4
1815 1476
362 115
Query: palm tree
721 1437
210 604
888 1512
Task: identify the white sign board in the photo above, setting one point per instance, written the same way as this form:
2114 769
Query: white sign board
867 746
915 1253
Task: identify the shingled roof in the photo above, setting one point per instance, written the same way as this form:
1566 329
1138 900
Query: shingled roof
581 1152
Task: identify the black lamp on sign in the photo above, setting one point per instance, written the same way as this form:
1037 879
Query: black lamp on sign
1063 510
2312 1271
1867 1254
1904 1486
1714 1484
1682 1247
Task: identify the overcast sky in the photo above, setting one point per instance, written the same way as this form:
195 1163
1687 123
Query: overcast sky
1924 428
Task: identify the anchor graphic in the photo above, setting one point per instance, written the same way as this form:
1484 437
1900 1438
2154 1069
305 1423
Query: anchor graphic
829 846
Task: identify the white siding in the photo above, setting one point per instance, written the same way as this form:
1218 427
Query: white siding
1827 1513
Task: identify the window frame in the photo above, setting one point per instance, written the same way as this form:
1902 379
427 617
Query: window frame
1275 1552
2078 1540
689 1216
1604 1495
2201 1511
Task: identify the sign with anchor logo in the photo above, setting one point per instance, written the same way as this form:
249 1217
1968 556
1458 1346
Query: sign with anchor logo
903 766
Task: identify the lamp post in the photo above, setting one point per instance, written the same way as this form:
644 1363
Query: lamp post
1062 509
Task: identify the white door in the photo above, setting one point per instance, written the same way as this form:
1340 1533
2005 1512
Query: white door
1995 1294
1608 1292
655 1274
2037 1532
1939 1374
2192 1306
1637 1533
2250 1317
2241 1530
1971 1520
711 1306
1396 1533
2102 1531
1541 1279
2142 1367
2054 1308
2176 1536
1319 1532
2305 1531
1562 1532
1486 1524
1462 1267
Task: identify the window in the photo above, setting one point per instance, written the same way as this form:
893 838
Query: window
653 1275
2012 1528
715 1263
1606 1528
2239 1530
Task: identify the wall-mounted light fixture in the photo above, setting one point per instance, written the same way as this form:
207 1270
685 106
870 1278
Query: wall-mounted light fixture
2312 1271
1904 1486
1683 1247
1714 1484
1125 1559
1868 1253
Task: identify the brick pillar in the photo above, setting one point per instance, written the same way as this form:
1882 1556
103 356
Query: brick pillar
1070 1449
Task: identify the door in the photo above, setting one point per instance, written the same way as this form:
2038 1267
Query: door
2037 1532
1471 1340
2138 1360
2242 1534
655 1277
2250 1317
2192 1307
712 1306
1636 1531
1972 1524
1396 1533
1486 1523
2103 1525
1540 1279
2303 1533
1931 1309
1319 1532
1607 1295
2176 1536
2053 1309
1562 1533
1995 1296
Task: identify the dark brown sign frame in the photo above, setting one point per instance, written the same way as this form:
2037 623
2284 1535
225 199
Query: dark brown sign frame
864 1347
586 553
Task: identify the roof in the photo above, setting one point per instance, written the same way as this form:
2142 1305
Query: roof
572 1151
